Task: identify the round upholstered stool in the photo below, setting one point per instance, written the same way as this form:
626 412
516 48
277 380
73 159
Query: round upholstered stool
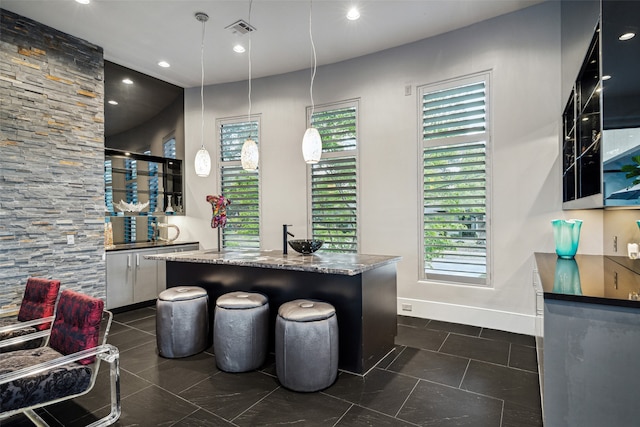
306 345
182 321
240 331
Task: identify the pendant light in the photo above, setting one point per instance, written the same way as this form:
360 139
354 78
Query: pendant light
249 154
203 159
311 142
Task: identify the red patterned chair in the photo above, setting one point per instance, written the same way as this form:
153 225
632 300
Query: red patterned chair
66 367
35 314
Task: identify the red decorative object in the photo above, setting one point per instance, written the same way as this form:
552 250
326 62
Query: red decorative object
219 205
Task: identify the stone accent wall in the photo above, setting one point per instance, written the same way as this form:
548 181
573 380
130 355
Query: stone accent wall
51 159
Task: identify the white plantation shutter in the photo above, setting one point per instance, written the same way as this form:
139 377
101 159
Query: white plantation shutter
334 180
454 192
239 186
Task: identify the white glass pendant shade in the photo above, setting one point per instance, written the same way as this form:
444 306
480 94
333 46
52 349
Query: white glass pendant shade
249 155
203 162
311 146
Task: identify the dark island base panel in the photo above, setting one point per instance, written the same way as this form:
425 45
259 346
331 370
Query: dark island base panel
365 303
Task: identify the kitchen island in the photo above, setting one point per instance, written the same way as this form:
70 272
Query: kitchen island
591 339
362 288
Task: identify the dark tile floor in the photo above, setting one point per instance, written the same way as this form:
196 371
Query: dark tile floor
439 374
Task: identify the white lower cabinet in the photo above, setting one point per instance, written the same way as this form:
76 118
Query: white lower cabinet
132 279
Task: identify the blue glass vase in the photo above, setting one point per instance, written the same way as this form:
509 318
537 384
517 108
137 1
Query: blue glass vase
566 234
567 277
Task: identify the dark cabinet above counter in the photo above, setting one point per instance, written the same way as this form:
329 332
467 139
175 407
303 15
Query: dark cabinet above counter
601 120
142 185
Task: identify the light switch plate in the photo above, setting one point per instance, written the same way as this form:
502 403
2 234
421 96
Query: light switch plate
71 239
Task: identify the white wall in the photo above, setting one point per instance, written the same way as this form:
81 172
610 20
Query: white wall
522 50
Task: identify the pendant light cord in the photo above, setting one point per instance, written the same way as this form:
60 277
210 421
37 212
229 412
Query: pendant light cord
249 113
313 75
202 85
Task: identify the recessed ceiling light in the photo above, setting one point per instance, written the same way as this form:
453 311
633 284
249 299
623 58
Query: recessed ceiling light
83 1
353 14
127 81
627 36
238 48
606 77
112 102
164 64
585 119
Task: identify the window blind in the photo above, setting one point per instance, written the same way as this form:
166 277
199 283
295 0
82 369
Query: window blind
334 189
454 184
239 186
334 204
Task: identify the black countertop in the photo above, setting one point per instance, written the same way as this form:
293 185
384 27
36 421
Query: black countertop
595 279
146 245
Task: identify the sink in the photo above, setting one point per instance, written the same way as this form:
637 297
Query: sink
305 246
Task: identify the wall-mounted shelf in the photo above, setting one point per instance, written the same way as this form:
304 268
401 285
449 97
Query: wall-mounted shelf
141 178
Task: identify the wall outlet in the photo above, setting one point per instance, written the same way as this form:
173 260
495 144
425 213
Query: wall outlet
407 307
70 239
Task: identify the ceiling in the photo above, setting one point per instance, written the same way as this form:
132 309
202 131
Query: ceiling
137 34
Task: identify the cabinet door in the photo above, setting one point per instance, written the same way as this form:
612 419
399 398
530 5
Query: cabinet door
146 280
162 271
119 279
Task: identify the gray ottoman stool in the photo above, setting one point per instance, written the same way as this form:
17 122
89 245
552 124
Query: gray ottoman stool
240 331
182 321
306 345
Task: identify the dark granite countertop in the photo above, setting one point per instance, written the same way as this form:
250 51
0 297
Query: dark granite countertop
596 279
328 263
146 245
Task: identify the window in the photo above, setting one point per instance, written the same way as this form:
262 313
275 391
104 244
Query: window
169 147
239 186
333 181
455 133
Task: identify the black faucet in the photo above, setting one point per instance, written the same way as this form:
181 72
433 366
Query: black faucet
284 237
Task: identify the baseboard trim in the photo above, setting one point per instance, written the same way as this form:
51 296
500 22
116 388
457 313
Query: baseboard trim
482 317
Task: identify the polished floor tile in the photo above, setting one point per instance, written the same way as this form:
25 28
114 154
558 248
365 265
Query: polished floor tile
147 324
284 407
357 416
512 385
523 357
178 375
412 321
438 374
437 405
515 415
494 334
229 395
431 366
142 357
420 338
455 328
129 339
477 348
380 390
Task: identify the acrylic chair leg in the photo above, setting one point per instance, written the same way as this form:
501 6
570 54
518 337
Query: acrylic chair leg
113 358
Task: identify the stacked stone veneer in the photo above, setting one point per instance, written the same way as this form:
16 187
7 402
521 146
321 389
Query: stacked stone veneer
51 158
